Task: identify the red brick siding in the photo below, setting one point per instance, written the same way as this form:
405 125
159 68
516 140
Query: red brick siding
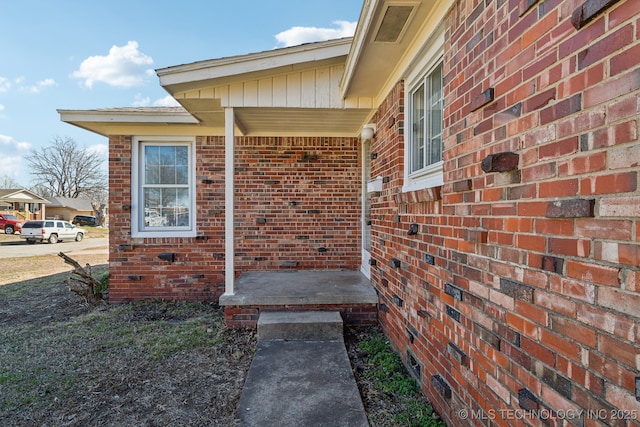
354 314
321 175
297 203
135 270
521 288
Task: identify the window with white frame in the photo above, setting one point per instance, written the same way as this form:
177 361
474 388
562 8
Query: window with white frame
163 192
423 165
426 121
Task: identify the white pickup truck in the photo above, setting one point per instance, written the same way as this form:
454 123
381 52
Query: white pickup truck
53 231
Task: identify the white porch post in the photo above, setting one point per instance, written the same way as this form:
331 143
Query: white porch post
229 191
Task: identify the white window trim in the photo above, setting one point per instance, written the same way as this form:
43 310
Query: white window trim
137 209
430 55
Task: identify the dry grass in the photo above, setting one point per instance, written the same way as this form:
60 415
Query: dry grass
149 363
14 270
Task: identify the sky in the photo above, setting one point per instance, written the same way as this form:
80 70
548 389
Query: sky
81 55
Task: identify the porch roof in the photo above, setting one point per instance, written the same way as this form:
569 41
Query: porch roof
328 88
20 195
292 91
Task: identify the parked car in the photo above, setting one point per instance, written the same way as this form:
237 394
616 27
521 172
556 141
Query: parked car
53 231
84 220
10 223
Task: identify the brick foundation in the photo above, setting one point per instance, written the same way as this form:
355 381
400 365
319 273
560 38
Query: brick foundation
247 316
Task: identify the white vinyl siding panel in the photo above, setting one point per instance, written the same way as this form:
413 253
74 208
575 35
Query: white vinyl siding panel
317 88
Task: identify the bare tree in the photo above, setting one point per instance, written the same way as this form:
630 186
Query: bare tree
7 182
98 212
67 170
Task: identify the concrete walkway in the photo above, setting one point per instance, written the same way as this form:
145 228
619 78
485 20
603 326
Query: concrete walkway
301 374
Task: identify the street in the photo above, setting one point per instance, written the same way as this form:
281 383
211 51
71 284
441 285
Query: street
20 248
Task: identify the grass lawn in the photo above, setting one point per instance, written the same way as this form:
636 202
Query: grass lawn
64 362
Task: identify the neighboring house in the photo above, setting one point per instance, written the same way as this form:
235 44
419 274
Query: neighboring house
22 203
478 160
66 208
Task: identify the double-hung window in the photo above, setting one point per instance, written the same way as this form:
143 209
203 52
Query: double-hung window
426 121
424 104
424 136
163 181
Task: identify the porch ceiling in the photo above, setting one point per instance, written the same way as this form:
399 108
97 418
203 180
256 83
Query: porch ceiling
258 121
207 118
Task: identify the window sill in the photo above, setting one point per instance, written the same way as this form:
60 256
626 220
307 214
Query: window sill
430 178
162 234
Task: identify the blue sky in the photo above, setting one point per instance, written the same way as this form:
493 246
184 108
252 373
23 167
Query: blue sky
75 54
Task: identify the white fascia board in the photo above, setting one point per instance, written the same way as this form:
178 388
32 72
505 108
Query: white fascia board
364 25
109 116
255 62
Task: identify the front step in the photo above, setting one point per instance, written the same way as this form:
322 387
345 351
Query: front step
307 325
346 291
301 374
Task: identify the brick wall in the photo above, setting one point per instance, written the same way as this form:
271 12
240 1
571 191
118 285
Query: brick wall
298 203
297 206
520 289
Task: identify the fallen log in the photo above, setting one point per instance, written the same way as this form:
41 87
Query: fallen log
81 281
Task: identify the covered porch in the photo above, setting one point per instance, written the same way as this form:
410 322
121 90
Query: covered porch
22 203
280 182
345 291
297 99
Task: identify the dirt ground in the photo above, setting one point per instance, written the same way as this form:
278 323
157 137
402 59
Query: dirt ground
14 270
85 372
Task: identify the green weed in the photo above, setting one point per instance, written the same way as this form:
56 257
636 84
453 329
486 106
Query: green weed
390 376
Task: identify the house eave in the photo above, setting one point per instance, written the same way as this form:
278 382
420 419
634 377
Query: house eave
129 121
128 115
374 65
224 70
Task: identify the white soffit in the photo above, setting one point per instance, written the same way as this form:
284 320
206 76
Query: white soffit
130 121
388 34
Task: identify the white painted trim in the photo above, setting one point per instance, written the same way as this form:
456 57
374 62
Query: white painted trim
430 55
129 115
357 45
229 209
135 187
365 267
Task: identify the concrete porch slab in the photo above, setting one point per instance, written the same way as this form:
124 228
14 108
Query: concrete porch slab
308 287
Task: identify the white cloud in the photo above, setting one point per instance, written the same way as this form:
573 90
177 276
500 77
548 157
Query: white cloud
100 149
141 101
167 101
125 66
5 84
298 35
7 142
39 86
11 152
145 101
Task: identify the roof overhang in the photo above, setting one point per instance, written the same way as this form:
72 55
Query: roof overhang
227 70
389 36
135 121
21 196
197 87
